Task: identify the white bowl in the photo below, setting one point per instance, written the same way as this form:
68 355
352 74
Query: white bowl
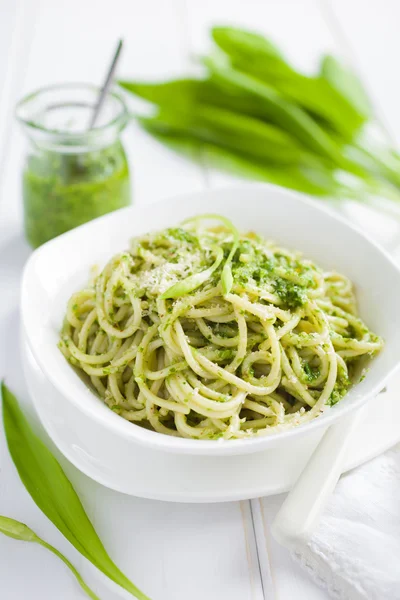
149 473
61 267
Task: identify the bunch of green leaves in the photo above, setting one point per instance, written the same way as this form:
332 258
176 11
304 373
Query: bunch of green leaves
54 494
254 114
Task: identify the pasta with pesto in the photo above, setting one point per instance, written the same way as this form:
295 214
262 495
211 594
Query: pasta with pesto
201 332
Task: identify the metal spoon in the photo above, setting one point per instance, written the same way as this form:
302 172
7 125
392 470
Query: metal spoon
106 85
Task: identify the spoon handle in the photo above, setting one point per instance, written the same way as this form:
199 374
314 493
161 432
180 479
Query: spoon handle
106 85
300 512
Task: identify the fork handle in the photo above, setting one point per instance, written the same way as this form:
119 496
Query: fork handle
300 512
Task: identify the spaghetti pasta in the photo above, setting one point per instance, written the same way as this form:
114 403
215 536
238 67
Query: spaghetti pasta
201 332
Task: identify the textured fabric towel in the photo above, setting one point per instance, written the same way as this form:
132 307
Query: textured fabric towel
355 552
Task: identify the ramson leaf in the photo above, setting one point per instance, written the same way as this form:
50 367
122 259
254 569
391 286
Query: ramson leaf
20 531
53 493
322 95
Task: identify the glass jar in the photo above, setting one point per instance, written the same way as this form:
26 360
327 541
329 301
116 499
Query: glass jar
71 174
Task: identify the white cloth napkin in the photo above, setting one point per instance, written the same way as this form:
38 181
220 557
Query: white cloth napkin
355 552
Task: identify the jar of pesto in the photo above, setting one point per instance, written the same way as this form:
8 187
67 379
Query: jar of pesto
71 174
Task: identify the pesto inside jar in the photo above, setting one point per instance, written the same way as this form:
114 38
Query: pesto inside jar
72 173
62 191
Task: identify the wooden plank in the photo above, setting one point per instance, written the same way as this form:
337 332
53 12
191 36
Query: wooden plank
302 39
171 551
367 37
343 32
177 551
14 28
300 29
79 50
290 580
17 21
369 32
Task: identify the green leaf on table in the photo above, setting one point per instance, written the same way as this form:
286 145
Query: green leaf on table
187 94
318 181
229 87
192 106
255 55
234 131
346 82
249 46
281 112
256 115
16 530
166 94
53 493
20 531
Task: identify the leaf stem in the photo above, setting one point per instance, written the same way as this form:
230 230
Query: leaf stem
70 566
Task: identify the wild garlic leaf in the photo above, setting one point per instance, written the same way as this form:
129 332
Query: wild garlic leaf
226 275
317 180
239 87
258 57
20 531
53 493
248 45
347 83
181 94
194 281
282 112
166 94
257 116
235 131
16 530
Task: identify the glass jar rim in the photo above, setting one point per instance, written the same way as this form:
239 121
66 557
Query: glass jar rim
114 125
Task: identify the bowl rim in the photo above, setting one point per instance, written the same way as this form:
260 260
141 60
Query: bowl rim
173 444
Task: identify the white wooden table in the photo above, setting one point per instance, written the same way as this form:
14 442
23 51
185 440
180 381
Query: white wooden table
171 551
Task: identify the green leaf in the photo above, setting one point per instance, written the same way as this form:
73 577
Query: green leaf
282 112
226 279
20 531
292 118
230 88
183 92
258 57
257 116
53 493
307 179
252 50
319 181
234 131
194 281
16 530
346 83
194 107
208 110
226 275
246 44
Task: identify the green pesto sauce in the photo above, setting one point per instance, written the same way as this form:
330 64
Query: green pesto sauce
340 389
291 294
310 374
62 191
273 270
